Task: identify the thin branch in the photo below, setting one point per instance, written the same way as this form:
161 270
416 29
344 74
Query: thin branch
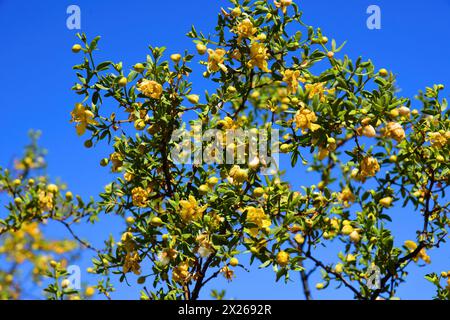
82 242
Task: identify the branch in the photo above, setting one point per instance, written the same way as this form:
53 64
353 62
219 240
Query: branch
306 290
337 275
82 242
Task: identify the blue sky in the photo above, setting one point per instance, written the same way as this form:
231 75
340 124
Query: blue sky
36 78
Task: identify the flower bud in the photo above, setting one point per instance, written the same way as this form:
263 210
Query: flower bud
88 144
383 72
369 131
299 238
201 48
122 82
104 162
139 124
386 202
212 181
404 111
339 268
65 283
231 89
234 262
89 292
258 192
176 57
285 148
18 201
355 237
156 221
16 182
193 98
139 67
203 189
347 229
236 12
76 48
52 188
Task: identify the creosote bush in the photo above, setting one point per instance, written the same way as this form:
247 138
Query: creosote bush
186 224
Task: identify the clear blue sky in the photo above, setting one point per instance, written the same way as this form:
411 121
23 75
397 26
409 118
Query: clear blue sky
36 76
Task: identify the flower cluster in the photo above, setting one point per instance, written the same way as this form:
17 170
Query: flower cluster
190 210
150 88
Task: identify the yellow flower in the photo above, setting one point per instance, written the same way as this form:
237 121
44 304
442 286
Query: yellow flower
323 153
304 119
291 78
347 229
258 56
282 4
339 268
350 258
140 197
117 161
317 89
257 217
131 263
128 176
205 246
236 12
167 255
150 88
45 201
395 131
283 258
83 117
437 139
236 54
181 273
319 286
368 167
227 123
216 59
238 175
227 273
422 254
346 196
190 210
245 29
128 242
